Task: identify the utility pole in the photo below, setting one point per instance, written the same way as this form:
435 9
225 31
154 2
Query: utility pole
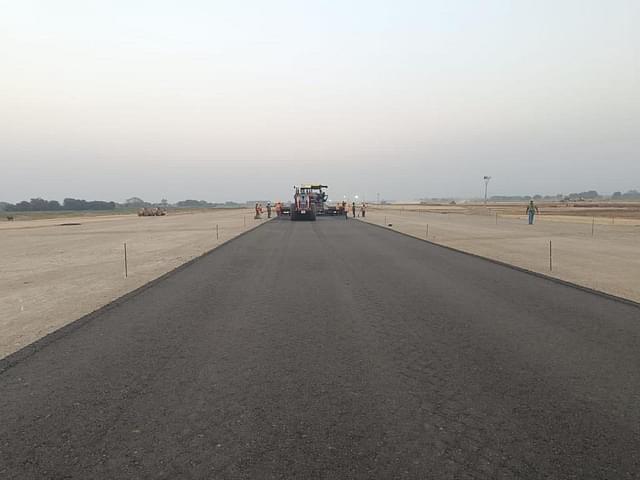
486 187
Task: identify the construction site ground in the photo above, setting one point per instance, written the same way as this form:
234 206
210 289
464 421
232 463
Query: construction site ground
54 271
57 269
596 246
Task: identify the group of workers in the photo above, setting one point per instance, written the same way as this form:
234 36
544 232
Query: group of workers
260 210
363 209
362 213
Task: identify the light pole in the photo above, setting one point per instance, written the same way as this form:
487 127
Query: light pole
486 187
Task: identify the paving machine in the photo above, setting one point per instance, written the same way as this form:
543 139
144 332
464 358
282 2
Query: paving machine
310 201
305 204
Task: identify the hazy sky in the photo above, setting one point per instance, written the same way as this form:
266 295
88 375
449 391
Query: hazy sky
243 99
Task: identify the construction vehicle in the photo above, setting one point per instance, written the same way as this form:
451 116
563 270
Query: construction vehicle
283 209
310 201
152 212
305 204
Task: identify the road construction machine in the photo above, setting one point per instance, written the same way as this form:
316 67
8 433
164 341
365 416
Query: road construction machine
152 212
305 204
310 201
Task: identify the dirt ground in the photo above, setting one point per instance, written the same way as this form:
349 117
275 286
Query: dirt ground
54 273
603 212
600 252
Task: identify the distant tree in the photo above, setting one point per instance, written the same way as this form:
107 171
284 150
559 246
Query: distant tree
41 205
634 194
193 204
589 194
23 206
36 205
135 202
616 195
74 204
99 205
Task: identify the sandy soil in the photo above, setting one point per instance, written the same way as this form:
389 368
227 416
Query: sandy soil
607 260
605 211
53 274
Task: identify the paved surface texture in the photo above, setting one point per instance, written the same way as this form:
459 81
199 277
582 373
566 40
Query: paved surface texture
333 349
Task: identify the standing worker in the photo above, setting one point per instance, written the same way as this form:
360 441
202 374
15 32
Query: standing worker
532 210
363 209
268 209
257 217
353 209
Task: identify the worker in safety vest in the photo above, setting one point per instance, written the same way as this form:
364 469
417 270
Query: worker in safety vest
268 209
532 210
363 209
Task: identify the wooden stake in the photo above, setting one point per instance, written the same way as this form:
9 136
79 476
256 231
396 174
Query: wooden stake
217 232
550 257
126 267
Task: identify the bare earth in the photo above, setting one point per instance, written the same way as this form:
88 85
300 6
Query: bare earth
53 274
608 260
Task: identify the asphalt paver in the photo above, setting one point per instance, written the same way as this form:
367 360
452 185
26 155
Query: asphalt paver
333 350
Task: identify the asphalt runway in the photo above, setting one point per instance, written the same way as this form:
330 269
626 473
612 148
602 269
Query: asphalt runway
333 349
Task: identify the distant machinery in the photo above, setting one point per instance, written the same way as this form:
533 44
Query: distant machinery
152 212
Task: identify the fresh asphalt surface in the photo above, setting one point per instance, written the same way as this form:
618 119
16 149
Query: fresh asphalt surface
333 349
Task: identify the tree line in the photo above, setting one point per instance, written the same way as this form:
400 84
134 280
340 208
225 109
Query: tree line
74 204
572 197
41 205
